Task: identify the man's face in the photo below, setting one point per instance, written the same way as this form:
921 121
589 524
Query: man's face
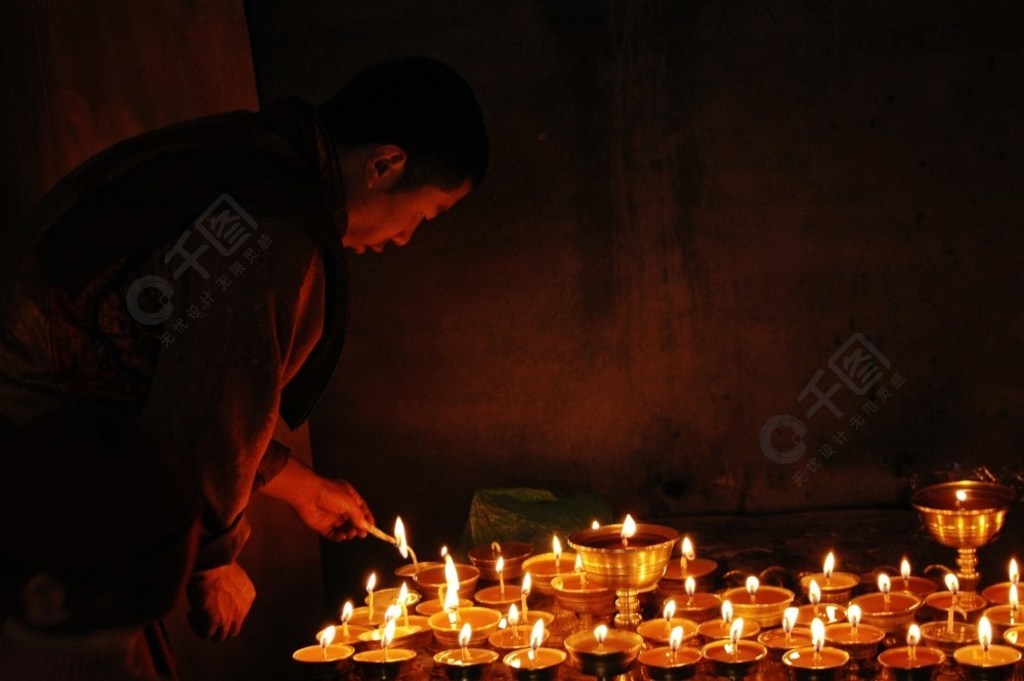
379 218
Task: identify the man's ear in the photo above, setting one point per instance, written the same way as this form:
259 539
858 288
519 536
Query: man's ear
385 166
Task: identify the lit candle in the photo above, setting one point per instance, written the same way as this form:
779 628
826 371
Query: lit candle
513 620
536 637
953 585
524 592
464 637
600 633
752 585
675 639
325 638
814 595
580 571
403 545
556 548
828 567
346 615
789 616
905 573
727 611
913 638
691 588
403 602
500 569
817 638
370 584
668 613
628 530
884 585
687 554
984 636
735 632
853 615
451 591
387 637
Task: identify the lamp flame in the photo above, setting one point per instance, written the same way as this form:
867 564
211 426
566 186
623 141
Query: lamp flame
736 631
829 565
594 525
389 634
913 635
789 617
403 595
600 633
687 549
537 634
884 584
984 633
326 637
371 583
853 615
527 584
675 639
670 610
905 569
513 615
499 567
814 592
691 586
556 548
465 634
817 634
628 527
1014 572
578 567
727 611
952 583
961 495
752 585
403 546
451 579
1014 598
346 612
392 613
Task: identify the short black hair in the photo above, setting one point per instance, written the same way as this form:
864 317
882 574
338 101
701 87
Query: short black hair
421 105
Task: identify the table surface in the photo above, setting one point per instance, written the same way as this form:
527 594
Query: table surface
780 548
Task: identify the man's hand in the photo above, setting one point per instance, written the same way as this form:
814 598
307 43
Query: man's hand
220 599
335 510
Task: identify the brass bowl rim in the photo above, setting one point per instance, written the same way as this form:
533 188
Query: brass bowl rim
512 551
1008 495
671 536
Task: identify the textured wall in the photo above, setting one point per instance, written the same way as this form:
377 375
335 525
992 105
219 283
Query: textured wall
691 208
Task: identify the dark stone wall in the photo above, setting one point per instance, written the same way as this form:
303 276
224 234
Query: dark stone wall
692 206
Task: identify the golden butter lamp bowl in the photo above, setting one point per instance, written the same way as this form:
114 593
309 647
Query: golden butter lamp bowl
970 522
433 578
937 634
483 621
638 564
765 607
485 558
614 656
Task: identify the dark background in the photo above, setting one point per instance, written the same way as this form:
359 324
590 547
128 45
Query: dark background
691 207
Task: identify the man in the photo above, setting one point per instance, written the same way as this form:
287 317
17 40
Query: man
193 280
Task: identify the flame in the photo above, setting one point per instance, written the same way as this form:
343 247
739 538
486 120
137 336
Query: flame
1014 598
670 610
752 585
527 584
503 624
829 566
961 495
628 527
403 546
579 563
736 630
691 586
513 615
392 613
675 639
536 634
913 635
594 525
389 634
884 585
444 552
465 634
600 633
789 617
556 548
905 569
687 549
346 612
500 565
451 579
817 634
371 583
814 593
853 615
326 637
952 583
830 613
727 611
403 594
984 633
1014 572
